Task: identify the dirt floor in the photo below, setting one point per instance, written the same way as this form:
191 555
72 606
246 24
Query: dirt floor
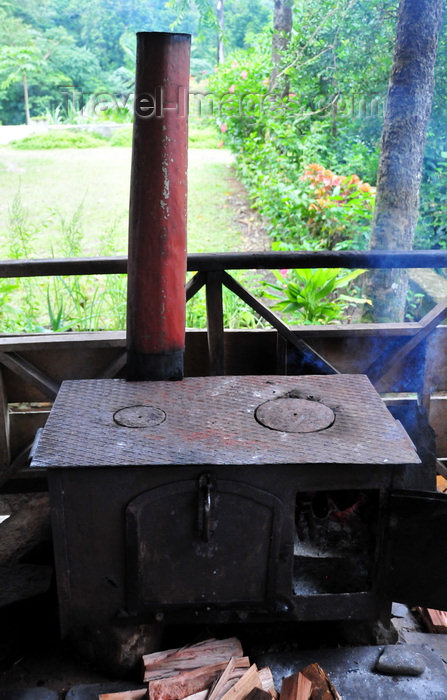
33 656
254 234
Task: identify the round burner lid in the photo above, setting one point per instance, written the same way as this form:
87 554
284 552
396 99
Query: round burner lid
290 415
139 416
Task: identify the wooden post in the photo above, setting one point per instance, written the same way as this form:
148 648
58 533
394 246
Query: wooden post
5 453
157 216
281 354
215 322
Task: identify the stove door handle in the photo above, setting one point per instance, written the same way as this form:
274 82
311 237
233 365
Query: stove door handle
206 488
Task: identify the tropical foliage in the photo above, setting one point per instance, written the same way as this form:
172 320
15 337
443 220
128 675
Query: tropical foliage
308 296
337 67
68 50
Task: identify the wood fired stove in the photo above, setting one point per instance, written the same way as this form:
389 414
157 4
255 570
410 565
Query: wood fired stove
234 498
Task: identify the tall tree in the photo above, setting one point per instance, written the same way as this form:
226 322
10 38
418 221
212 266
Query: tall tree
409 99
282 30
220 39
20 62
244 22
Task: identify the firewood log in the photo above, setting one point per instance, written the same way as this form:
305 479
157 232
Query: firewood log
186 683
268 685
163 664
244 685
258 694
201 695
322 688
435 620
125 695
226 680
296 687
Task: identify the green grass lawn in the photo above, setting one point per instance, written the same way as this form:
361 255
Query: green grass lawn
92 186
74 202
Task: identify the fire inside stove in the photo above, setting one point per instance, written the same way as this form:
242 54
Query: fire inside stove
336 532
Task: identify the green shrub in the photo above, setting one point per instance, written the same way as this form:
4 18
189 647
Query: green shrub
202 135
121 137
116 114
239 89
431 230
60 139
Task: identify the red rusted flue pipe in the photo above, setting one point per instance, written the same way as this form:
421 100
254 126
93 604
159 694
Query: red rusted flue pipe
157 216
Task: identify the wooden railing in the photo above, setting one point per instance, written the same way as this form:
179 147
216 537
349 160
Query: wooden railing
211 273
33 366
209 262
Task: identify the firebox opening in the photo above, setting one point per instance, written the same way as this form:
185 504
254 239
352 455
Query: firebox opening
335 541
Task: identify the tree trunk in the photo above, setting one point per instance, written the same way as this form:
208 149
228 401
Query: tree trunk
220 38
282 29
409 99
26 98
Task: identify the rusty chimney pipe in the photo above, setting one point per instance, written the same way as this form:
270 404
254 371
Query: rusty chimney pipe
157 216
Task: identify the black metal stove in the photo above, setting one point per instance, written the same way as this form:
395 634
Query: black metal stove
225 498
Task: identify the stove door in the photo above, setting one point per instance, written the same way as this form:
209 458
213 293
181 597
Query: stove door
416 554
202 542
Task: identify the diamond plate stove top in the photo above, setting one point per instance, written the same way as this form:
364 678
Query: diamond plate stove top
222 420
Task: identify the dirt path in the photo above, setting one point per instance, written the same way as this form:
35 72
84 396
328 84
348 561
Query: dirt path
244 220
254 235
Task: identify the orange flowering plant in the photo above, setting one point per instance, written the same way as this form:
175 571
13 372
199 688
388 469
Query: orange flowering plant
339 208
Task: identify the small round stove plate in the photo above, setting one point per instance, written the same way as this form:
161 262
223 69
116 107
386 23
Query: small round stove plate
291 415
139 416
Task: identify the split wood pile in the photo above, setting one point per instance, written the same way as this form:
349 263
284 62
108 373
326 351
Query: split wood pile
218 670
312 683
434 620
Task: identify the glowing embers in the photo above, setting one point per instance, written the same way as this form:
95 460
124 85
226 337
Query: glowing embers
294 415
